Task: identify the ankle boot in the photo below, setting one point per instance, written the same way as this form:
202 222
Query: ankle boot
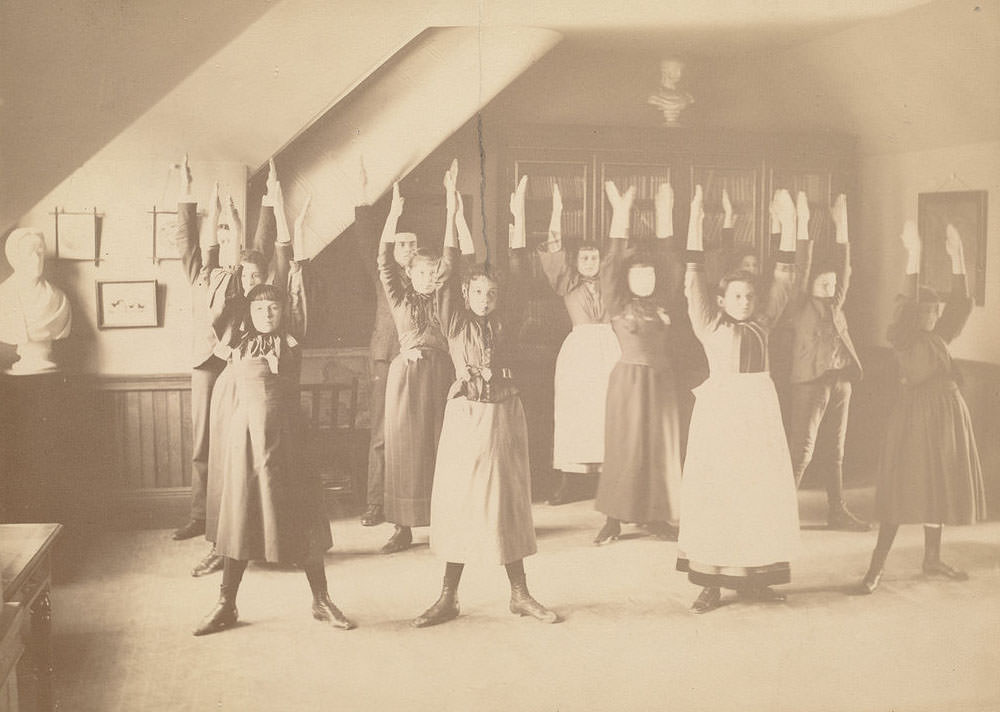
933 566
522 604
443 610
874 575
611 530
840 518
401 539
222 616
709 599
324 610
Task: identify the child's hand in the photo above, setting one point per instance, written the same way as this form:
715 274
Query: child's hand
910 238
663 205
802 215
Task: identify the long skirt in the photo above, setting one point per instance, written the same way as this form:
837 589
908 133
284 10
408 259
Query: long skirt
270 509
481 506
739 510
415 396
219 417
583 367
929 470
641 479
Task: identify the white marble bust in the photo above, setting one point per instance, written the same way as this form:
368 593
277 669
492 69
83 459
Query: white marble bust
33 313
670 99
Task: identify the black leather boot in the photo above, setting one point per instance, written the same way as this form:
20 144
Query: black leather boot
443 610
211 563
223 616
709 599
195 527
561 493
611 530
933 566
841 519
400 540
523 604
324 610
373 516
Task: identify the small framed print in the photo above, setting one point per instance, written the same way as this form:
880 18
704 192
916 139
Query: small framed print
127 304
76 235
164 232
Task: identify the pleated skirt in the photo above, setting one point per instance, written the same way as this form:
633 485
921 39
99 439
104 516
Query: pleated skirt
415 396
929 469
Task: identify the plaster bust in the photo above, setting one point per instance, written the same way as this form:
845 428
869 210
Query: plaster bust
669 99
33 313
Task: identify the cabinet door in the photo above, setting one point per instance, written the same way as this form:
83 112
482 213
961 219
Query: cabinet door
573 176
743 183
646 178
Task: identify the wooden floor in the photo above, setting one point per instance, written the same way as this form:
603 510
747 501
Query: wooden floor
124 605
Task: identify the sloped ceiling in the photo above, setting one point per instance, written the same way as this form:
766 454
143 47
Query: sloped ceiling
235 80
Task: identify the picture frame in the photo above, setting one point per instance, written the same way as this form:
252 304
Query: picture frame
76 235
127 304
164 230
967 211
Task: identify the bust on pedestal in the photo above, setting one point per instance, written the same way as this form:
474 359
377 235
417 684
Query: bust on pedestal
33 313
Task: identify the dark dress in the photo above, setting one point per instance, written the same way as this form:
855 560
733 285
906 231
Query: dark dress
640 481
270 508
416 390
929 471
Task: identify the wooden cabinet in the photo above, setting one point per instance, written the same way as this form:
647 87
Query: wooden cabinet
751 166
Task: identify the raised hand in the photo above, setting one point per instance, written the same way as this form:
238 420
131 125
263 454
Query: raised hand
783 210
621 209
838 212
450 186
298 231
802 215
663 204
695 239
555 220
517 199
231 237
270 196
953 244
727 210
517 237
396 206
185 177
465 244
910 237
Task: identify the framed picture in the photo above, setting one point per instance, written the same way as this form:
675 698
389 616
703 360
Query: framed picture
76 235
966 210
164 230
128 304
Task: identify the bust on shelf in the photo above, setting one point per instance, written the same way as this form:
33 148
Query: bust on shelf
33 313
670 99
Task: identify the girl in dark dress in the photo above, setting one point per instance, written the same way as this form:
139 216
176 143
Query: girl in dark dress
641 477
270 509
929 471
419 376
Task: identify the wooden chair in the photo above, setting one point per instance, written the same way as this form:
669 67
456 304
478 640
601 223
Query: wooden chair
334 446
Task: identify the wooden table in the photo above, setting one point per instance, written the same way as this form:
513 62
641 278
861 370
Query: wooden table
26 573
